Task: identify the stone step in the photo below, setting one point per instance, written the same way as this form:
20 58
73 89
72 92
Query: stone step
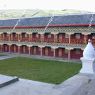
5 80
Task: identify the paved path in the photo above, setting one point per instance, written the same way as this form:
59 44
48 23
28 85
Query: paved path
6 57
25 87
76 85
87 89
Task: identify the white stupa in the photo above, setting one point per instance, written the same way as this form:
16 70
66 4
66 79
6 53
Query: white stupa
89 51
88 59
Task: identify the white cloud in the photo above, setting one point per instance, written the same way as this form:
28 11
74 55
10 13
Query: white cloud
88 5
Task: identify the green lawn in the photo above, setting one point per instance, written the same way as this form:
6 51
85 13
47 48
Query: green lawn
40 70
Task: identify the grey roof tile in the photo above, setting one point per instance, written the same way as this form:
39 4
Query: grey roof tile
57 20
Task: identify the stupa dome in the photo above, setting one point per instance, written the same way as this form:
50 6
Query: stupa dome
89 51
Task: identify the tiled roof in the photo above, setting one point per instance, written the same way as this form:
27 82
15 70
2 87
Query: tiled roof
57 20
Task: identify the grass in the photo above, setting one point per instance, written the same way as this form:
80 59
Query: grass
39 70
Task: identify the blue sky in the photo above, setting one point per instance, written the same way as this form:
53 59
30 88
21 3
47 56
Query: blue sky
87 5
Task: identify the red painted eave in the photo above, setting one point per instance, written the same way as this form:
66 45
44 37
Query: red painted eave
51 25
11 27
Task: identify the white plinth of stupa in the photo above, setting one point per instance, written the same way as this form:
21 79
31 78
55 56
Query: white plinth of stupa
88 59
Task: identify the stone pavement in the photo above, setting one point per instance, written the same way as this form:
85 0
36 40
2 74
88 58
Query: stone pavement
25 87
87 89
6 57
44 57
76 85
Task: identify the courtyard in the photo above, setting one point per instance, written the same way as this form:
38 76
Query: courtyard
39 70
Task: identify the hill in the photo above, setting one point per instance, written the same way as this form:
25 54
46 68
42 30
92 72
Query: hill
6 14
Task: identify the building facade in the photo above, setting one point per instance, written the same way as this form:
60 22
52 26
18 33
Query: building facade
65 37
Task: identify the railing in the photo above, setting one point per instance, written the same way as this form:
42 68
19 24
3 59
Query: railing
56 41
5 39
14 39
24 39
44 44
49 40
36 41
76 41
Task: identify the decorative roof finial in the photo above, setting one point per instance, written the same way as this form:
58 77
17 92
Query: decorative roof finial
89 40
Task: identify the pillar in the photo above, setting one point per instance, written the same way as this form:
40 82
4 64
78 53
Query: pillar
3 36
9 36
55 38
54 52
29 50
41 50
69 37
42 37
18 49
9 48
85 39
69 52
69 55
14 49
1 48
29 37
54 49
19 37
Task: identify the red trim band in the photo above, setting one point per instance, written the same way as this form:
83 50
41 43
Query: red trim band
51 25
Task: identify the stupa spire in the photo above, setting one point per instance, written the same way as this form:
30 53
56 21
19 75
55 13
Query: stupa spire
89 51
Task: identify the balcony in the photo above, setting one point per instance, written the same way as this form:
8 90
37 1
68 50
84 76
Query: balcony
35 40
66 40
49 40
14 39
24 39
5 39
76 41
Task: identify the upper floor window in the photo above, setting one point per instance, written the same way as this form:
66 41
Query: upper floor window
37 35
5 34
77 36
66 36
14 34
93 36
24 35
49 35
60 36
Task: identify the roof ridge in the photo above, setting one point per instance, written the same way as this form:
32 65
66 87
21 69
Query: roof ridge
50 16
